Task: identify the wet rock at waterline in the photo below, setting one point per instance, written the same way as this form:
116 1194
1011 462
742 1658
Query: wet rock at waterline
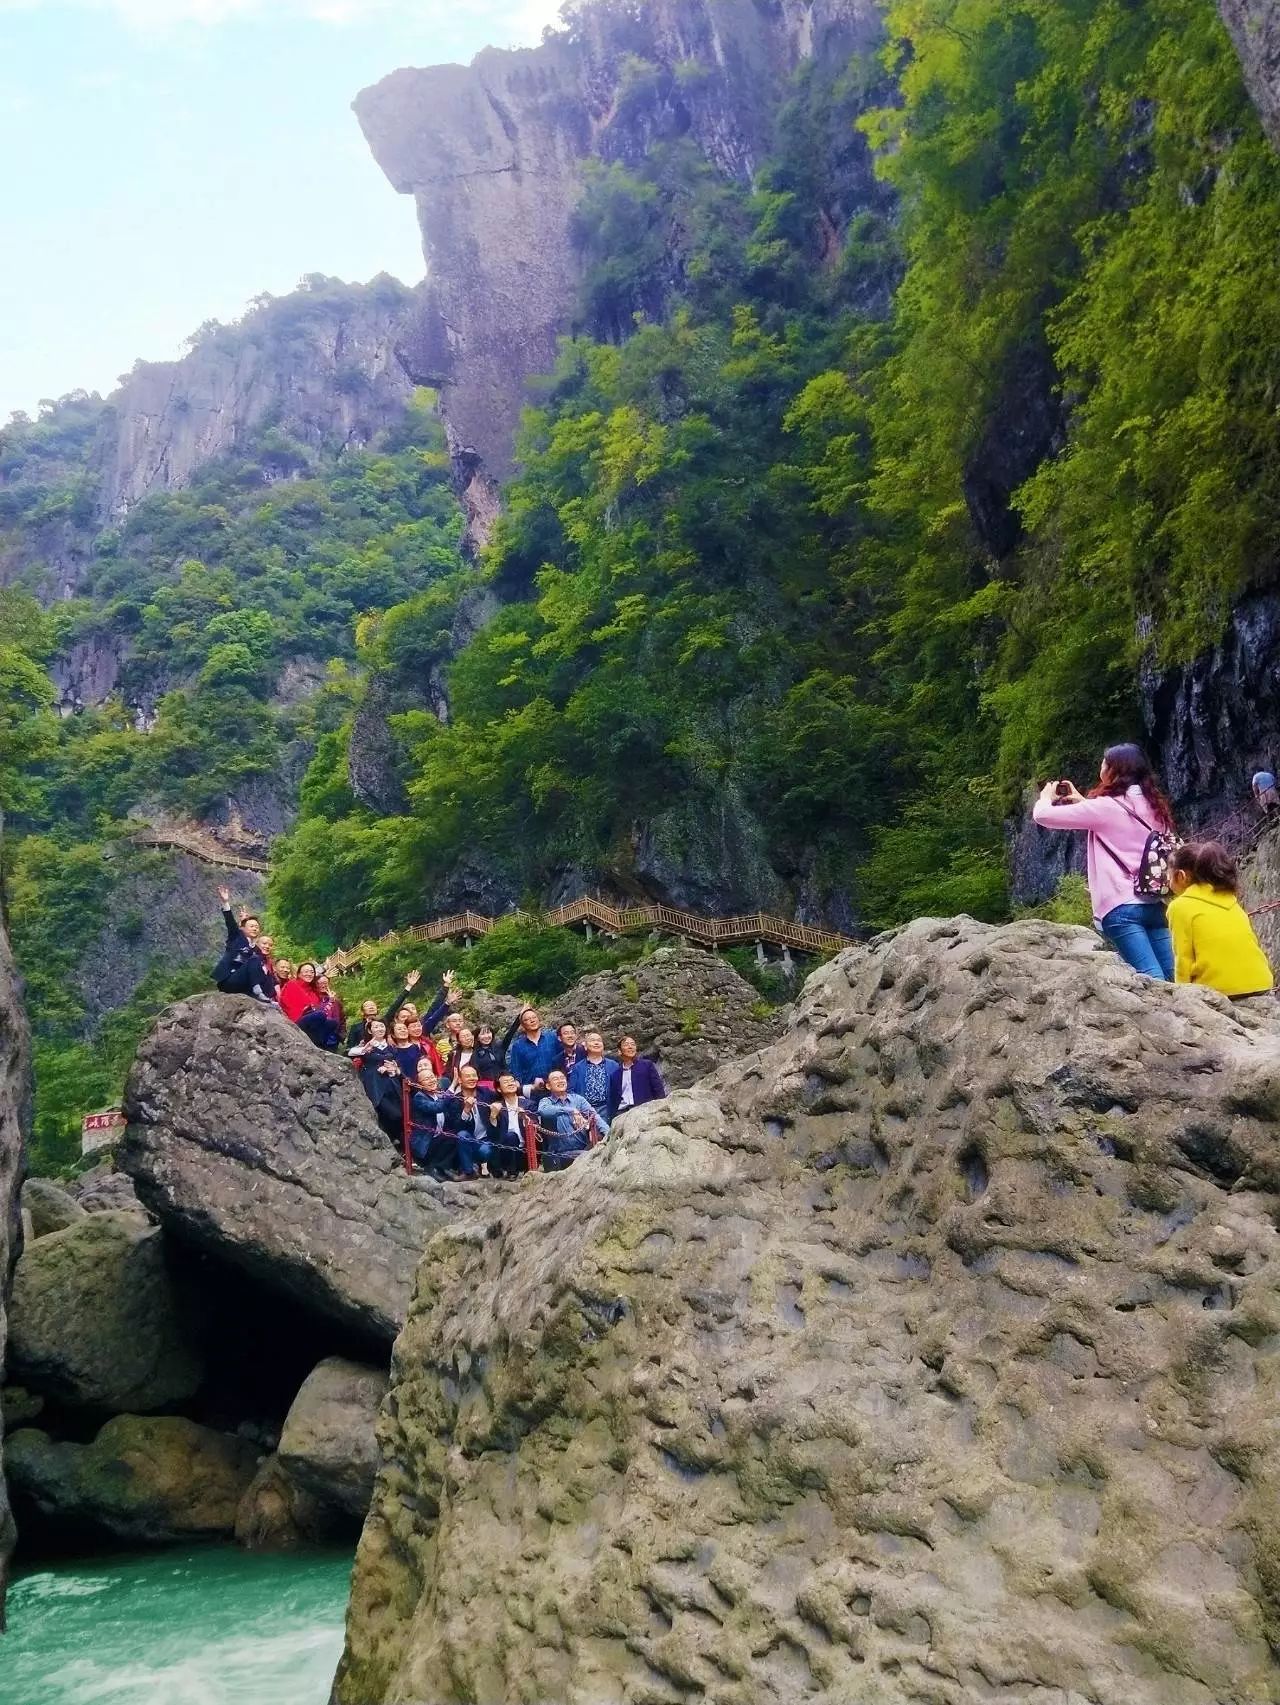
249 1142
144 1479
96 1320
328 1447
927 1356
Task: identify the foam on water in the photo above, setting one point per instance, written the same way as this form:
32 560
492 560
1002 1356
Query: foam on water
208 1627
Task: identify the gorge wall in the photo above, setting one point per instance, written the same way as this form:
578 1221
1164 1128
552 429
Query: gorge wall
15 1116
494 154
1255 29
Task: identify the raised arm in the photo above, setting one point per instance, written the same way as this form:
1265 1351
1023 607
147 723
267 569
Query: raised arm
1074 813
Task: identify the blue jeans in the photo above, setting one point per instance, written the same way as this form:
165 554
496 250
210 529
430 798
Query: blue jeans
1140 935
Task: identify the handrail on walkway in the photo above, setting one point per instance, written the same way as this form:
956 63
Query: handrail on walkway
200 846
707 932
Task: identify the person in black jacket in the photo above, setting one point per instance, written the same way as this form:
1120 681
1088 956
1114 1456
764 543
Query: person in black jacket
243 968
508 1113
638 1080
488 1058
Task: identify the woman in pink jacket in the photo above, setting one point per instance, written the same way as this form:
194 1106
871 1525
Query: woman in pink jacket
1119 816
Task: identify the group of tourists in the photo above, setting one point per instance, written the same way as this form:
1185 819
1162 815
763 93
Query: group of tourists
1170 908
459 1100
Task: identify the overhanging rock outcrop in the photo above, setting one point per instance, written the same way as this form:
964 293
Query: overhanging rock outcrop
493 154
247 1141
928 1355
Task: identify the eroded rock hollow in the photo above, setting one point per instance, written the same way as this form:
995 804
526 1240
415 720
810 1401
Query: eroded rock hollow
927 1355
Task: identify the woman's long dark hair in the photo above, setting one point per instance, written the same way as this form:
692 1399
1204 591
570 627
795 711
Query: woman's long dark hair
1130 766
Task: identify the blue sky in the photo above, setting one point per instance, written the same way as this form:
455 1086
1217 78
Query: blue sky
166 160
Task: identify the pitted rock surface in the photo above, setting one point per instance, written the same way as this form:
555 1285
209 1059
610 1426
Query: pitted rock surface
688 1009
929 1356
246 1140
1255 29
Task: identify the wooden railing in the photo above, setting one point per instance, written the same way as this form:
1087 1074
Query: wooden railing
200 844
707 932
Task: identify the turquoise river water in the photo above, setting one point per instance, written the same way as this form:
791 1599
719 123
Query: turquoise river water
214 1626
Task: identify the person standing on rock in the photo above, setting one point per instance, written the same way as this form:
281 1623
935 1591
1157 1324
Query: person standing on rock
301 1002
1213 940
465 1120
533 1053
488 1058
425 1046
243 968
360 1031
595 1075
1129 822
571 1050
637 1082
333 1018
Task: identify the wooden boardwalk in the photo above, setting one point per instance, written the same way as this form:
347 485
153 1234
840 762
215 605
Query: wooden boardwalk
752 928
200 844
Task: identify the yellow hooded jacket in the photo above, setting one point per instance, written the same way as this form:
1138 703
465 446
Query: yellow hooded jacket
1214 944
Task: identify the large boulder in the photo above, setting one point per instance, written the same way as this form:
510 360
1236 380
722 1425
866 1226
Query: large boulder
929 1356
145 1479
102 1189
15 1121
687 1008
96 1320
247 1141
328 1446
50 1207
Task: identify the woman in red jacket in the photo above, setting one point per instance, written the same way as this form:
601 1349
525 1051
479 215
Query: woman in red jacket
301 1002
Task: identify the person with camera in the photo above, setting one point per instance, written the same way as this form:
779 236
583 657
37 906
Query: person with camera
1129 824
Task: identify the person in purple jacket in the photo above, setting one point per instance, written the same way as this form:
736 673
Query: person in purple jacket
1120 815
638 1080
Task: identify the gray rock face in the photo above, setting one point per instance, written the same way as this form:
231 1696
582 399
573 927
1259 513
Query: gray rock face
493 155
15 1122
145 1479
1217 720
328 1448
103 1190
246 1140
686 1008
95 1320
1255 29
49 1207
323 368
927 1356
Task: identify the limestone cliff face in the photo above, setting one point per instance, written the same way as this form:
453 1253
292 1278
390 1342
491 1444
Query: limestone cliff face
15 1115
1255 29
321 364
493 154
927 1355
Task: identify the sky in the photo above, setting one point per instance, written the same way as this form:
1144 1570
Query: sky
163 161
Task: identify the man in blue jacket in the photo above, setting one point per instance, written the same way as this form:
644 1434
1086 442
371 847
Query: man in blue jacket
567 1121
638 1080
533 1053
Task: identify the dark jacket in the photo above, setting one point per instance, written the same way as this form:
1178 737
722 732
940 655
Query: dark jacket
646 1085
490 1062
580 1076
242 970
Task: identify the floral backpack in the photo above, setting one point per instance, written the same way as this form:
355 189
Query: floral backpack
1151 879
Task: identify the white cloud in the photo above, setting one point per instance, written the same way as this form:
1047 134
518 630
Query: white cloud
508 20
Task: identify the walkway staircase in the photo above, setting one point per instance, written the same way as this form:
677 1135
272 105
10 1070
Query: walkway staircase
755 928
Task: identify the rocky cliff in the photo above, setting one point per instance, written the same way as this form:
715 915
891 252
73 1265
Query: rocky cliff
320 364
925 1356
493 154
15 1115
1255 29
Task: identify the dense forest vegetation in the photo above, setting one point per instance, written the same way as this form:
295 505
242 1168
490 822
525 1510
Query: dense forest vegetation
866 530
262 566
857 500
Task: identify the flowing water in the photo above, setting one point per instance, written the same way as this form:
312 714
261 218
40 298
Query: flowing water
214 1626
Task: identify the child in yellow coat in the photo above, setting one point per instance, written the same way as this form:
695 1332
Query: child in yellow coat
1213 940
